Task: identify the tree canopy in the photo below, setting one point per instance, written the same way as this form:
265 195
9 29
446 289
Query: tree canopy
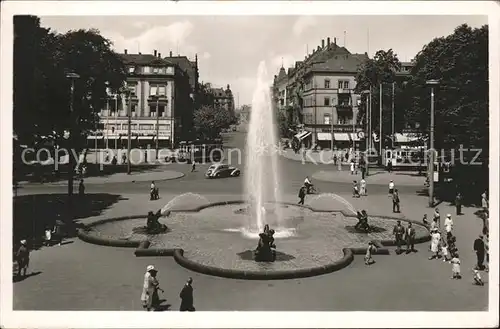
42 59
460 63
209 121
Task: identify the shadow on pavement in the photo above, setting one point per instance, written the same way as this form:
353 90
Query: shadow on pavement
16 278
32 214
46 174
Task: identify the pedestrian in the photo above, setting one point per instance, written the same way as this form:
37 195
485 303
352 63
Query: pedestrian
355 189
448 226
484 202
149 296
302 194
362 188
455 267
487 251
57 232
389 166
391 188
478 281
335 159
48 236
410 238
124 158
193 166
435 239
479 248
186 295
398 233
458 204
352 167
81 188
424 220
369 252
395 201
444 251
437 217
23 259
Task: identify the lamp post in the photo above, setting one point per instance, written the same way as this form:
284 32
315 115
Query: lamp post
334 104
157 123
433 84
368 126
129 130
72 77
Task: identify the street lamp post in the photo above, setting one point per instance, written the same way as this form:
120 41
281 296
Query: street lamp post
72 77
157 123
129 130
368 126
433 84
334 104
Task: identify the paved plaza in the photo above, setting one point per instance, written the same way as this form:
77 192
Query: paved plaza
83 276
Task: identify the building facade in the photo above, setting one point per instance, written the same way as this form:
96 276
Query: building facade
224 98
160 100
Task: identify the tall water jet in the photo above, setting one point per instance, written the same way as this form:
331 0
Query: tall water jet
262 182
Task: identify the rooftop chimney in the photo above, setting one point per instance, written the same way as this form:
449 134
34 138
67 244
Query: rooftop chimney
140 53
170 53
319 48
335 40
323 43
125 51
159 55
155 53
328 42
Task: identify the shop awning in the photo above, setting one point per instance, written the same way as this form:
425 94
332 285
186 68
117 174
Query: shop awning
95 137
324 136
341 137
302 135
163 138
404 138
145 137
355 137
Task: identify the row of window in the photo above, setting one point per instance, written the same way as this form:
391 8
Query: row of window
152 111
124 126
160 90
326 102
326 84
151 70
327 119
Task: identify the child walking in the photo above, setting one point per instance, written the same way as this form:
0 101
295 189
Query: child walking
369 251
444 251
455 267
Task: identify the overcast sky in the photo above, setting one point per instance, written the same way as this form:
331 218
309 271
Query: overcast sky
230 48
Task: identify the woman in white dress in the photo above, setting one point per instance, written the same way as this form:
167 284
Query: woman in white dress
435 239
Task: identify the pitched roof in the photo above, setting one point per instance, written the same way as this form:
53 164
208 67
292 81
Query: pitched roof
349 63
218 92
144 59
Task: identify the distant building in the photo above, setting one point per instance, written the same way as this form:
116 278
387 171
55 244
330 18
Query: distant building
224 98
161 95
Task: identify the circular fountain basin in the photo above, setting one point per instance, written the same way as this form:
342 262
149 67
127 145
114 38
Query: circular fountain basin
218 237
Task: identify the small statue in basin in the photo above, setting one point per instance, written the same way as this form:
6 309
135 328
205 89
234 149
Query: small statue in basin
153 226
266 249
362 225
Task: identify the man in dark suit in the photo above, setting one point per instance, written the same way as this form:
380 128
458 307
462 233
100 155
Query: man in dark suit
410 239
186 295
479 249
398 233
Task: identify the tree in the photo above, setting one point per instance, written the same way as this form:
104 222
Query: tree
210 120
41 89
374 72
460 62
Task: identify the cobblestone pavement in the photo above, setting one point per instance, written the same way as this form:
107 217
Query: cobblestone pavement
82 276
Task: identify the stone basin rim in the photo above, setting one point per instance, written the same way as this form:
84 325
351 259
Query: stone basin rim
142 247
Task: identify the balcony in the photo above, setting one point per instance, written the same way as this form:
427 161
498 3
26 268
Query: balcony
344 91
344 107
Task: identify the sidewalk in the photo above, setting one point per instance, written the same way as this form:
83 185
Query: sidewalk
377 177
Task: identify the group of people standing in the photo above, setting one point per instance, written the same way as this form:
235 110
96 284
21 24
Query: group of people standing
150 297
404 235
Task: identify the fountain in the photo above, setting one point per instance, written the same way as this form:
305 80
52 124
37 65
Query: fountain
186 201
262 184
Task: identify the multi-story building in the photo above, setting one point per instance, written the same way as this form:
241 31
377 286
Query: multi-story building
224 98
160 99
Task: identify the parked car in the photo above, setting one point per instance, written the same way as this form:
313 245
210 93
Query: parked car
219 170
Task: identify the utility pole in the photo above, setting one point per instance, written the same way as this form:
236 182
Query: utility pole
432 84
331 123
157 123
129 147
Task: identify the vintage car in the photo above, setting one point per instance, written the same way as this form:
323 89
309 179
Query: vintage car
218 170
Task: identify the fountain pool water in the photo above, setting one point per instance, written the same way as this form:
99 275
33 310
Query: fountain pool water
262 182
317 203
